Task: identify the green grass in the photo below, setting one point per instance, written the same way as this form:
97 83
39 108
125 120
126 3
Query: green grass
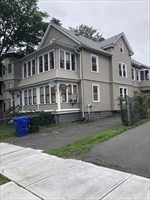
83 145
3 179
7 131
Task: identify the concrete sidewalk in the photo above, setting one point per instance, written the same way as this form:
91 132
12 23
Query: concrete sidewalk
35 175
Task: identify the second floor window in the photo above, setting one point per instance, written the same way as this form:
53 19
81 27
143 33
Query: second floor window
144 75
25 70
46 62
67 61
29 68
40 64
122 70
51 58
9 68
94 63
133 74
33 67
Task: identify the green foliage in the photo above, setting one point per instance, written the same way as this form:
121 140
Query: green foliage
144 103
135 108
7 131
3 179
45 118
88 32
21 25
41 118
55 21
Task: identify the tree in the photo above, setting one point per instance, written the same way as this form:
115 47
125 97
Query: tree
21 26
88 32
56 21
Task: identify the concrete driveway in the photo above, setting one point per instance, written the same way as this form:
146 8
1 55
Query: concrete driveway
35 175
129 151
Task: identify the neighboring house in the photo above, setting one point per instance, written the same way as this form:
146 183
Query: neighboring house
10 76
75 77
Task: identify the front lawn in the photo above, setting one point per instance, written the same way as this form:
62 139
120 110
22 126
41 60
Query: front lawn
7 131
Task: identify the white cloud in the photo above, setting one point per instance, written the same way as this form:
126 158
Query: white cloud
109 18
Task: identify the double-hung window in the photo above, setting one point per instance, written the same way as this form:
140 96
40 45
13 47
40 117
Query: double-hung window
96 93
33 67
67 60
53 95
41 95
29 68
94 63
47 96
30 96
25 70
25 97
9 68
34 96
62 60
123 70
46 62
51 58
40 64
133 74
72 89
123 92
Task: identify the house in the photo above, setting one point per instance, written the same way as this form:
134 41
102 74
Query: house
75 77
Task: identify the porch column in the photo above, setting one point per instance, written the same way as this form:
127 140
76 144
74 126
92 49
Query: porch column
38 97
58 95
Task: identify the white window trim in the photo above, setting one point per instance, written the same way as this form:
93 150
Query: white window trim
37 64
121 46
97 85
92 55
122 70
65 61
123 90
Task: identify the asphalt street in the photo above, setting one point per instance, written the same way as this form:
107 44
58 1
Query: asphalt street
129 152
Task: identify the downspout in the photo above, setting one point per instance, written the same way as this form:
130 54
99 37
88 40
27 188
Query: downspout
81 78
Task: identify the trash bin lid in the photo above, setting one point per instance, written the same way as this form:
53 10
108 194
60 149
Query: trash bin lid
21 119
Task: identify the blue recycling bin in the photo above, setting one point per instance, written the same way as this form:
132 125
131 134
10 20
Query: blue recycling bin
21 125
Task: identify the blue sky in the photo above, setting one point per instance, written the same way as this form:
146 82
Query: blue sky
109 18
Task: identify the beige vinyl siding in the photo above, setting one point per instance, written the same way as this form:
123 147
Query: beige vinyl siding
122 58
103 73
104 103
58 36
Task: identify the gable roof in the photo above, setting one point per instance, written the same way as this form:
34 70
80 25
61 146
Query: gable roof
80 40
111 42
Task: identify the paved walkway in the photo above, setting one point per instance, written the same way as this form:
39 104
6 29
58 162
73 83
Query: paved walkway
37 176
61 136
